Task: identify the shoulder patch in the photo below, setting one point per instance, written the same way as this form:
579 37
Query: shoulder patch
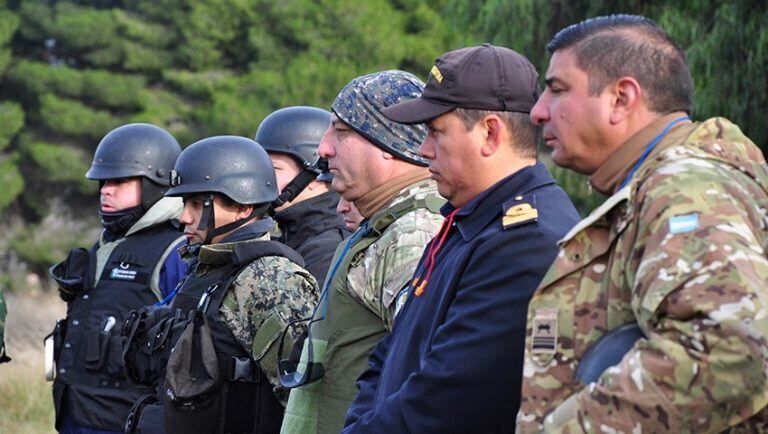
683 223
518 211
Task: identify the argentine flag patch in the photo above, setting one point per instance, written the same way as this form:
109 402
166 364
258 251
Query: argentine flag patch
683 223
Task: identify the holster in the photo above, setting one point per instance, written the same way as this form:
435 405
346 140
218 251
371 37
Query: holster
71 274
146 416
59 333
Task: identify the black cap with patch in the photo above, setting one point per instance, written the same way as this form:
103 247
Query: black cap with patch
485 77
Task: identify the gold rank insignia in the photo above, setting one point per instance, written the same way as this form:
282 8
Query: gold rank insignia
437 74
518 211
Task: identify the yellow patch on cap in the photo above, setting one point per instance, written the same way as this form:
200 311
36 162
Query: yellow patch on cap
519 213
437 74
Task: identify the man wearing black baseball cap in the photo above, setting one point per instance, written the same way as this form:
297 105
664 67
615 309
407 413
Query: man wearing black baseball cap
453 362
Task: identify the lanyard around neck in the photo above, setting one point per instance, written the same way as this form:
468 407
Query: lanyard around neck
650 147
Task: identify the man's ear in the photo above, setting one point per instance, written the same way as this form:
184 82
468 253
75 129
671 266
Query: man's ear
493 132
243 211
626 98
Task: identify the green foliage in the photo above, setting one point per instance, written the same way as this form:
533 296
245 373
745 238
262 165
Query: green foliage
68 116
11 121
10 179
45 244
61 163
9 22
99 87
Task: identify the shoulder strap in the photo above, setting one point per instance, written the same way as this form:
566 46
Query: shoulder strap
381 221
246 253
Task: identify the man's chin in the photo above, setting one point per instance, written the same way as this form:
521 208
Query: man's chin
193 239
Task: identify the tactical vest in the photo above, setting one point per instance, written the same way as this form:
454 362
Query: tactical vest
90 386
243 401
344 339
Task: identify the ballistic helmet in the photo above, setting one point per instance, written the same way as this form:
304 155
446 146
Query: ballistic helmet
236 167
295 131
135 150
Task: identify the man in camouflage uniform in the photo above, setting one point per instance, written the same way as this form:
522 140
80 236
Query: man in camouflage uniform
3 311
375 164
679 247
242 291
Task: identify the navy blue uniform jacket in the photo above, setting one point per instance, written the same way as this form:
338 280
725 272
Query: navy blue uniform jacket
454 360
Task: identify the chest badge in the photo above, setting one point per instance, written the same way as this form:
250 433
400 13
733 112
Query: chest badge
123 272
544 333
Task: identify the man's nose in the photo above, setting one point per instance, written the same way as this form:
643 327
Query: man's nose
540 111
327 148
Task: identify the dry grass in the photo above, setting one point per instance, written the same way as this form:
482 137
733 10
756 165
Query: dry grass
25 397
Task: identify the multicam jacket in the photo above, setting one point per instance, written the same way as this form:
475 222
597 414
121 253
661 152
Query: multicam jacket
378 273
681 250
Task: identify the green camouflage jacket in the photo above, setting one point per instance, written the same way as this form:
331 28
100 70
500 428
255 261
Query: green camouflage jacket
263 298
681 251
378 273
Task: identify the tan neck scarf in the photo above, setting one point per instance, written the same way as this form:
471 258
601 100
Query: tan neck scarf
383 194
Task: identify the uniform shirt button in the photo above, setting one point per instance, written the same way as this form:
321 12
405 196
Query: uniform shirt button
67 345
75 322
62 371
85 296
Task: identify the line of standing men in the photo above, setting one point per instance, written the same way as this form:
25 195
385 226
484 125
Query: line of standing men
442 338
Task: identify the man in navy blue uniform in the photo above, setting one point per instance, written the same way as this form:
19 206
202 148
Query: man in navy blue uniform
453 362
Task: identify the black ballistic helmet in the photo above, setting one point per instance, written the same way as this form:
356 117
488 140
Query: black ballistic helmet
236 167
135 150
295 131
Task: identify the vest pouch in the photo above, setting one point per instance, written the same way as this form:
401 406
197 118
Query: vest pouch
96 350
115 355
193 384
146 332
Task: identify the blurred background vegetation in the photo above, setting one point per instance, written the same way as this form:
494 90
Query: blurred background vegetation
70 71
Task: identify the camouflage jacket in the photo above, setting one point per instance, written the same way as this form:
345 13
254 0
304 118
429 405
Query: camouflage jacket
261 301
681 251
379 272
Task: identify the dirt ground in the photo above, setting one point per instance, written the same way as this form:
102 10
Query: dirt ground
25 396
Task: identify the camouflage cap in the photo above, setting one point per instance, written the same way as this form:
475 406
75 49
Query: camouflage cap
360 103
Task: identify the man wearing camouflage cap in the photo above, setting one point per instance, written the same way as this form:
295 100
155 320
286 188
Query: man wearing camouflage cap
375 164
677 250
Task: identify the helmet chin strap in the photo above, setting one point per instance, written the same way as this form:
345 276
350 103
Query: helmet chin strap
308 173
207 219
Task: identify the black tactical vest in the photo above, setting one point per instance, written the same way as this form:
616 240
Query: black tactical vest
243 401
90 385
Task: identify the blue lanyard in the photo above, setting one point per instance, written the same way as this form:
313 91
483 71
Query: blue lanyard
362 231
169 297
650 147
